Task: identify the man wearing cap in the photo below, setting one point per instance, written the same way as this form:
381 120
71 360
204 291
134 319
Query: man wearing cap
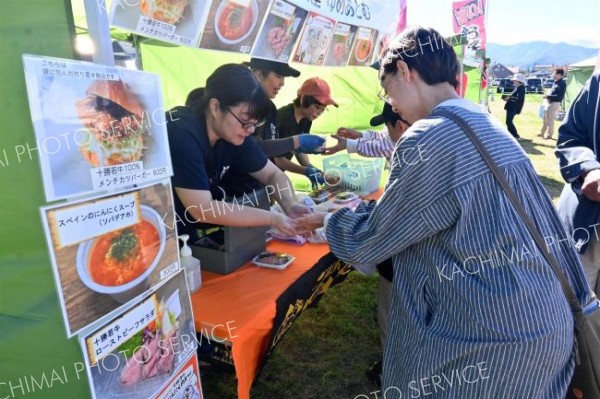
271 75
514 103
296 119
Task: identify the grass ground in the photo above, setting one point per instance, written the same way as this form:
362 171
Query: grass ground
326 352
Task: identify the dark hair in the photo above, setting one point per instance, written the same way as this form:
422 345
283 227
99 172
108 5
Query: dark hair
424 50
560 70
231 84
306 101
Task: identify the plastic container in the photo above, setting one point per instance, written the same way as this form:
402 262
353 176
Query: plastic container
277 261
191 266
358 175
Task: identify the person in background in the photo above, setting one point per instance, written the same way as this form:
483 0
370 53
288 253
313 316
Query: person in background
296 118
514 103
555 98
271 75
212 136
457 303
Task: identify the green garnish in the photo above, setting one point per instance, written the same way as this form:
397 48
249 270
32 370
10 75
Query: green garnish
122 246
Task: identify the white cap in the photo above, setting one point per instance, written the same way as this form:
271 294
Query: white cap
519 77
185 250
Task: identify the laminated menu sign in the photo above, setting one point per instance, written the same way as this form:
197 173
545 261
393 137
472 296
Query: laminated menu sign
232 25
107 251
341 43
175 21
97 128
314 40
144 349
279 31
185 384
364 44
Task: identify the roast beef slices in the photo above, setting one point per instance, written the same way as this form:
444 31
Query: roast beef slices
165 364
151 365
132 372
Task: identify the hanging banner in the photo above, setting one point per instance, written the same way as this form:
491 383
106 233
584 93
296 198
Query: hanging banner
175 21
402 17
468 19
314 40
233 25
107 251
341 44
364 47
97 128
137 353
279 32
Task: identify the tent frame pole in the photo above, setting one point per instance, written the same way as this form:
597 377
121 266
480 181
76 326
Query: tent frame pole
97 19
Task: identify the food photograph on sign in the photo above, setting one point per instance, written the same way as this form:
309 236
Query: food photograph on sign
314 40
279 31
364 46
110 250
341 44
185 384
175 21
232 25
97 128
137 353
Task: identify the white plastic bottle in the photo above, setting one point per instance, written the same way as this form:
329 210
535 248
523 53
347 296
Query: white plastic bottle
191 266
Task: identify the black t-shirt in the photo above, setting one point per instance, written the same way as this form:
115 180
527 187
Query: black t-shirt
197 166
287 125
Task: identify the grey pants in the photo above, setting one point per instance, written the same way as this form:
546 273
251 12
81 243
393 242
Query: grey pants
591 264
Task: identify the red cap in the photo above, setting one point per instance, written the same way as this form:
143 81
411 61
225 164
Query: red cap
319 89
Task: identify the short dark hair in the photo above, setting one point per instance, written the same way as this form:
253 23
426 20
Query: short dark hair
306 101
560 70
231 84
424 50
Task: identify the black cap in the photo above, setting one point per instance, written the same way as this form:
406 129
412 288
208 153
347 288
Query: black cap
376 65
386 115
280 68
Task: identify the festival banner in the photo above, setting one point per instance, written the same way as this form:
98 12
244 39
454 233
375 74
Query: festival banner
233 25
468 19
97 128
110 250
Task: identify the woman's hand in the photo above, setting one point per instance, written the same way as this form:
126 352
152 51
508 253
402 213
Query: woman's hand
349 133
309 223
283 224
297 210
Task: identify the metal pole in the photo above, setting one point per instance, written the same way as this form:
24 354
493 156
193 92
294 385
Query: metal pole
97 19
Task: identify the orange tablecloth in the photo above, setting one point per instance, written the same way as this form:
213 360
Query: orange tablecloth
241 306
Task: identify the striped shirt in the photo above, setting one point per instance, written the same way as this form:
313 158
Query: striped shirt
372 144
476 310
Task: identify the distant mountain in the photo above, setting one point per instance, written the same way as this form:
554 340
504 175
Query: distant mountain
525 55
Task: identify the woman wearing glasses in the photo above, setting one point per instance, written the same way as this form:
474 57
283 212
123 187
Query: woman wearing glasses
296 118
213 135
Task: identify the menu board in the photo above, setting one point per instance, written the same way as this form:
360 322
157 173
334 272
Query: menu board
107 251
341 44
232 25
364 46
97 128
185 384
314 40
138 352
382 42
175 21
279 31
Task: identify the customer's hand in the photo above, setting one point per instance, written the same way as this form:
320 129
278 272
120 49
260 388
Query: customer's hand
315 175
349 133
310 144
340 146
297 210
308 224
591 185
283 224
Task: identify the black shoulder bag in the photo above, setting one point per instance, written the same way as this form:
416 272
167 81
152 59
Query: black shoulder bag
586 379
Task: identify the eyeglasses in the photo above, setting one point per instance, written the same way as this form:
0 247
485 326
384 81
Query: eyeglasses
320 109
246 125
383 95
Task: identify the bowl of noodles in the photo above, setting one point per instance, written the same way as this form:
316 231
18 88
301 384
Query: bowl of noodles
120 262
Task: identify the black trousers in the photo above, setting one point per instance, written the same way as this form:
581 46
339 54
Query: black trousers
510 115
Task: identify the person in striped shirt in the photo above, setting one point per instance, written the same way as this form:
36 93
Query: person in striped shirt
476 310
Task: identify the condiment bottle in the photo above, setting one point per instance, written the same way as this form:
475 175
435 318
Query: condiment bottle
191 266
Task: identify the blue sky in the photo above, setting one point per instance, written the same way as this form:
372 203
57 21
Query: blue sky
514 21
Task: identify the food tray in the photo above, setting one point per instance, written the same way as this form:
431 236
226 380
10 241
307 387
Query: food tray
285 259
359 175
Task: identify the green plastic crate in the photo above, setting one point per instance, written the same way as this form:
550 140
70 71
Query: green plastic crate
357 174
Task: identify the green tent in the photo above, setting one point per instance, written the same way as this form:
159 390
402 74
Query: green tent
578 74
